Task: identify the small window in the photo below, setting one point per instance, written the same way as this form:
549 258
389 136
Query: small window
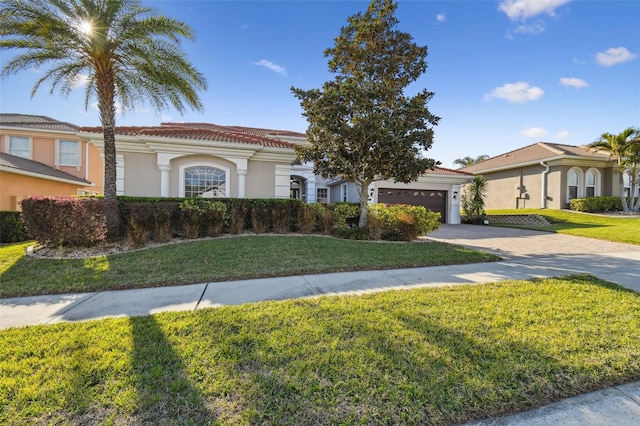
572 184
590 184
344 195
321 195
20 146
68 154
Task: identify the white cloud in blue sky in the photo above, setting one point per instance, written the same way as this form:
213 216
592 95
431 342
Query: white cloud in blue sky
534 132
562 135
518 92
531 29
615 56
524 9
577 83
271 66
441 17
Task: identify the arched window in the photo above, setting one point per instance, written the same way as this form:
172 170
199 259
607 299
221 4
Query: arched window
205 182
592 183
573 181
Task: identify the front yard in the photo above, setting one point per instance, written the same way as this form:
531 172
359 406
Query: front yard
611 228
220 259
422 356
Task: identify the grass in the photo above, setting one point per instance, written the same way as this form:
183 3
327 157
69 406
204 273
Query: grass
618 229
217 260
421 356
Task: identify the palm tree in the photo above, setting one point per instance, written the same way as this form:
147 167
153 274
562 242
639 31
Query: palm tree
473 199
622 147
127 54
467 161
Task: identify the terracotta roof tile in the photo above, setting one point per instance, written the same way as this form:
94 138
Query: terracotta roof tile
39 122
449 172
24 164
200 132
531 153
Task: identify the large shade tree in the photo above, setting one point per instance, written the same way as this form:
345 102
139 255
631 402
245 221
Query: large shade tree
624 148
363 125
125 52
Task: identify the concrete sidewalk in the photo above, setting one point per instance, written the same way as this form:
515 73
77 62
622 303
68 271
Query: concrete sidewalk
526 254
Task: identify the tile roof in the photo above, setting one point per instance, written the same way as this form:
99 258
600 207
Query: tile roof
204 132
448 172
239 129
24 164
535 152
39 122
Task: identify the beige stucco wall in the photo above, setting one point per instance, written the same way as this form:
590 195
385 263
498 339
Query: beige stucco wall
260 180
141 174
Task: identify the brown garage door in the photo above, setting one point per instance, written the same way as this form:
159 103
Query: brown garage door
431 199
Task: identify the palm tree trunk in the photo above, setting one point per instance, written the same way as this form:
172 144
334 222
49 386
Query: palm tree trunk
625 206
106 91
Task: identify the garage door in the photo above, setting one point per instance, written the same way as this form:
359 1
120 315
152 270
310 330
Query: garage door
433 200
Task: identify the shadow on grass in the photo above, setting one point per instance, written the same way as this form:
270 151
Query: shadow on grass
165 394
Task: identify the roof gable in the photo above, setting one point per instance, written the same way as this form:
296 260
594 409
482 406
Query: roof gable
39 122
8 161
540 151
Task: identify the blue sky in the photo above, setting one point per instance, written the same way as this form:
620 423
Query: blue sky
505 73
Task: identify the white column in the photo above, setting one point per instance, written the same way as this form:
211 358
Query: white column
454 211
311 189
242 182
119 174
282 182
164 179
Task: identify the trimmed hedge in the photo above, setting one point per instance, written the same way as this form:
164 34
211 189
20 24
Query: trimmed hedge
597 204
401 222
12 229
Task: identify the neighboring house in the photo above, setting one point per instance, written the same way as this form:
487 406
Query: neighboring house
547 175
43 156
437 190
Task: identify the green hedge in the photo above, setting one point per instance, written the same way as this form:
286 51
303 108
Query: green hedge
12 229
597 204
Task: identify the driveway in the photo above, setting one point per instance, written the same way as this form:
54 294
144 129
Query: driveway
616 262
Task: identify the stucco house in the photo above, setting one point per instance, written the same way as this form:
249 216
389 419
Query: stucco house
547 175
43 156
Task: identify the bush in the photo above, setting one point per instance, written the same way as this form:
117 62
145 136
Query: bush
344 214
237 212
596 204
354 233
307 219
12 228
260 217
214 213
281 217
68 221
403 222
191 215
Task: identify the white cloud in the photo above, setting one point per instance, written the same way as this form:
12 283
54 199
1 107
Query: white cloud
614 56
523 9
578 83
441 17
81 80
516 92
273 67
534 132
564 134
533 29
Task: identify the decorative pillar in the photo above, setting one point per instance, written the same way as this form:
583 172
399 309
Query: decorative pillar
311 189
454 211
164 179
242 182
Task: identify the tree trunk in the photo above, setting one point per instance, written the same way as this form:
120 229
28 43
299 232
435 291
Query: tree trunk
625 206
363 188
106 91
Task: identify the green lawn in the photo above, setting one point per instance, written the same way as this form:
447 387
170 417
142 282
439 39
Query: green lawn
219 259
618 229
422 356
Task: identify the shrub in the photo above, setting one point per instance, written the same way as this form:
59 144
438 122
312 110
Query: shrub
12 228
353 233
67 221
281 216
374 226
138 231
213 217
237 212
403 222
326 221
307 219
191 215
344 214
260 217
596 204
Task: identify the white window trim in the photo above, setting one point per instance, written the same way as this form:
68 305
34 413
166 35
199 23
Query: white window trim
598 185
8 145
580 191
344 192
227 171
57 154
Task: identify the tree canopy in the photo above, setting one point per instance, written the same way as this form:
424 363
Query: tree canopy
467 161
624 147
363 126
123 51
